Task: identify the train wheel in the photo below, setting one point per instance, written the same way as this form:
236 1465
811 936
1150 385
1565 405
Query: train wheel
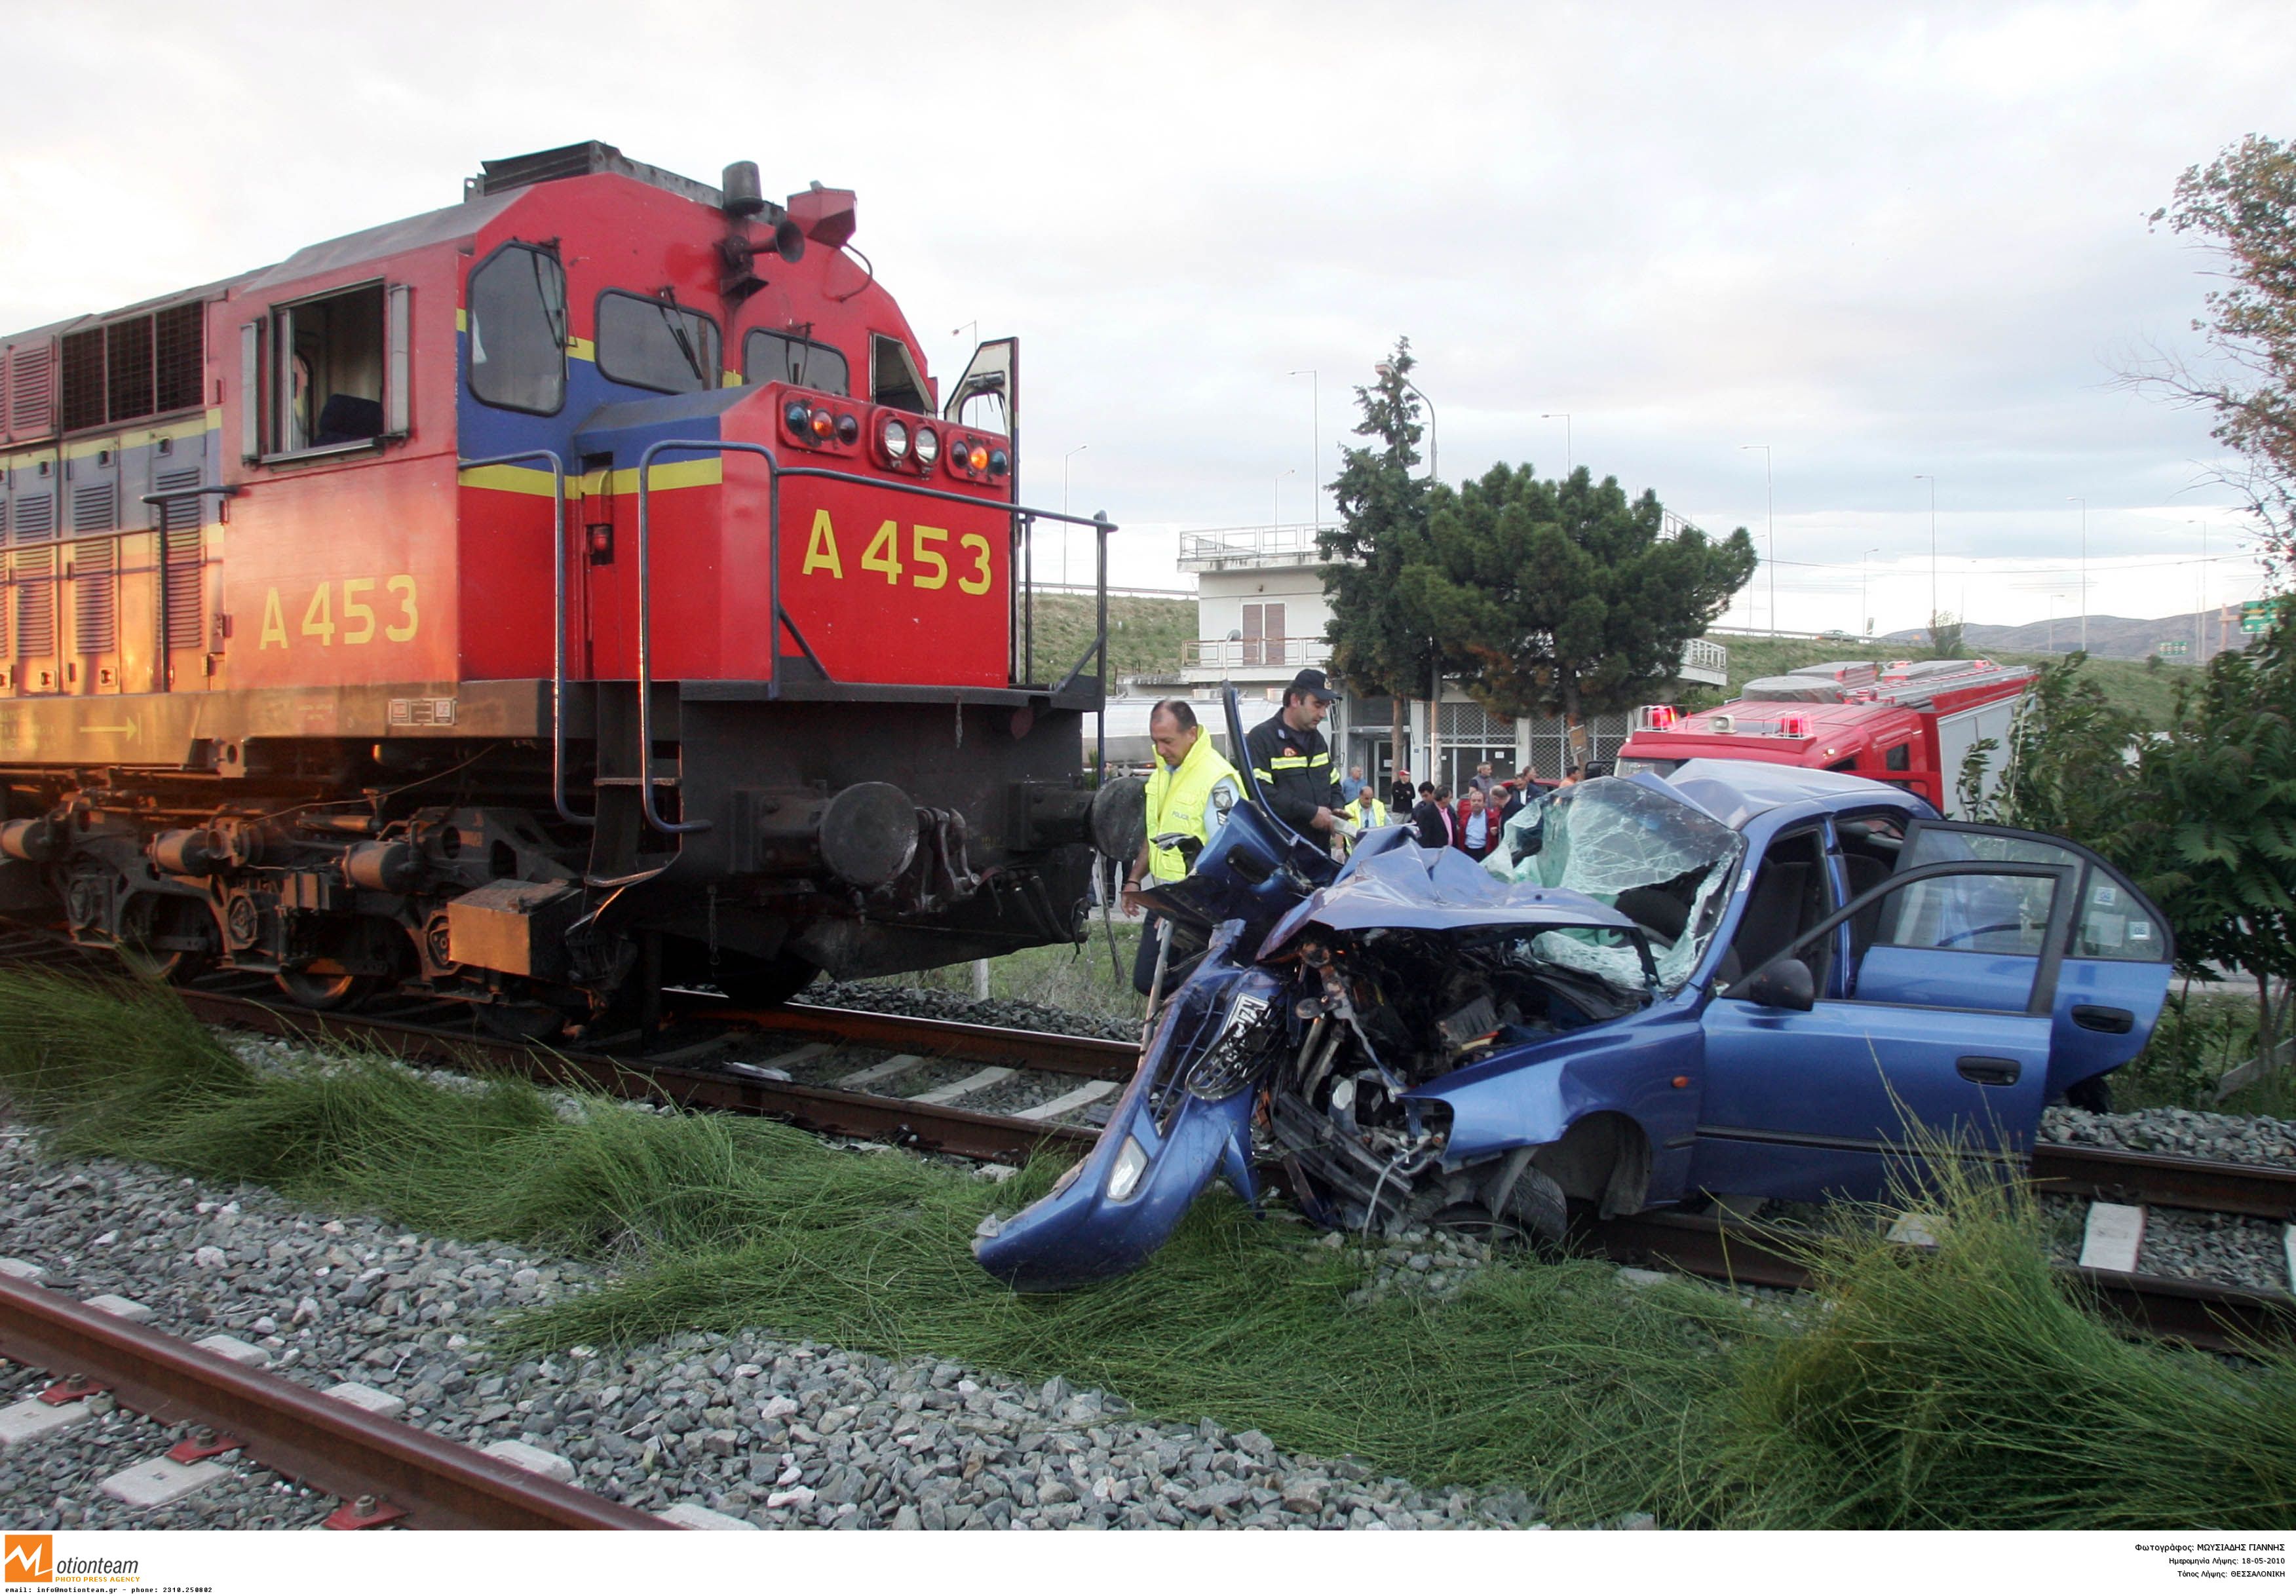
327 985
148 918
315 989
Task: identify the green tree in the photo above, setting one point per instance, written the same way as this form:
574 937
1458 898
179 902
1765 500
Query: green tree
1566 597
2068 770
1379 643
1945 630
2211 830
2242 205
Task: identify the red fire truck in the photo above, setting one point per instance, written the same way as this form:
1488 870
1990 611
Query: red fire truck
1910 722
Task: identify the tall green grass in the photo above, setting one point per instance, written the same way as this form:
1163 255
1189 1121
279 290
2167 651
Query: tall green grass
1966 1386
1962 1389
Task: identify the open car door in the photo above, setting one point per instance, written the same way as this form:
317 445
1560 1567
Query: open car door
2115 961
1940 1033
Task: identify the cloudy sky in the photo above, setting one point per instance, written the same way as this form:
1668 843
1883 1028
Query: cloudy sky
1883 241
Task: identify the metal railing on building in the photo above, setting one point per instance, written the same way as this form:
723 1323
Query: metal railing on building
1247 653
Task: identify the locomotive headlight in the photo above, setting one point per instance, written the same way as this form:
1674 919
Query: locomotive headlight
893 438
1124 1174
799 417
928 446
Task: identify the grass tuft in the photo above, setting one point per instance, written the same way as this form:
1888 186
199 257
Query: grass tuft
1962 1389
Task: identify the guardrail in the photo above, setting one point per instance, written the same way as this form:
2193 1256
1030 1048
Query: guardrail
1234 653
1289 546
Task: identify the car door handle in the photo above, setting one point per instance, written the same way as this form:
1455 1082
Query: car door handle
2096 1017
1988 1071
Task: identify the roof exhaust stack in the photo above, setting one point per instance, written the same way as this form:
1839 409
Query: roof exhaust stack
745 196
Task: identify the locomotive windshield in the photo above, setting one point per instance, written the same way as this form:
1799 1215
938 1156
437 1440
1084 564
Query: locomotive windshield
784 357
648 343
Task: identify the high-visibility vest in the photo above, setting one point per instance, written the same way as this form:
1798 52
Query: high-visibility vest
1178 801
1365 819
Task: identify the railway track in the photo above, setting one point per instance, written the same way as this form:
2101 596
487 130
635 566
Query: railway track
993 1093
382 1471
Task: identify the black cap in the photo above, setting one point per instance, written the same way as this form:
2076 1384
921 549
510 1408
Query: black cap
1313 682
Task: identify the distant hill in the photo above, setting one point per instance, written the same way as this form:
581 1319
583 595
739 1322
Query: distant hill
2110 637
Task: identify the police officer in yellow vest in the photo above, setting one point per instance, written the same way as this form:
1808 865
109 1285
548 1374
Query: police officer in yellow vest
1189 794
1363 812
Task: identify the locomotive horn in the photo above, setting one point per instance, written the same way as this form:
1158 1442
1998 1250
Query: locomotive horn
745 196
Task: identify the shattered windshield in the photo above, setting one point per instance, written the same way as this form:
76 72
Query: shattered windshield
1656 859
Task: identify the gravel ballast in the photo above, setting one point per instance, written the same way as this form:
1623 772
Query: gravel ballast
775 1433
918 1002
2178 1132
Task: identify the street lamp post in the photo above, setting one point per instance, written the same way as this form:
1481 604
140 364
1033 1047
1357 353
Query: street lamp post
1925 477
1071 454
1315 438
1434 466
1769 494
2199 615
1865 615
2071 499
1564 417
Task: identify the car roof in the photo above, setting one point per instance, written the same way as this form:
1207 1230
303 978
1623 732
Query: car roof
1735 791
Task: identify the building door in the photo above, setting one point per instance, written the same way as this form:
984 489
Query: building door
1263 635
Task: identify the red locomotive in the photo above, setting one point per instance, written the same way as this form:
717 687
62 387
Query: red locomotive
576 589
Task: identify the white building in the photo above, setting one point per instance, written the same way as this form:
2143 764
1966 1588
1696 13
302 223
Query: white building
1260 619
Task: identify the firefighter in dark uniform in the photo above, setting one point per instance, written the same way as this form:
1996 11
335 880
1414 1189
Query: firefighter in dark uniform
1292 760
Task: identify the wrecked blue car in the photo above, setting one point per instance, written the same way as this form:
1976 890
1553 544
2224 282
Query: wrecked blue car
1741 979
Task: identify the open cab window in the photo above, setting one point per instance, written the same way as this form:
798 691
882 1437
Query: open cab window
327 375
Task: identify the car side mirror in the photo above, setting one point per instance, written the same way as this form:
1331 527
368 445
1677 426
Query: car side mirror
1784 984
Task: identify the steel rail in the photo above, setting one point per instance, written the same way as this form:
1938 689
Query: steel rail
937 1128
1092 1056
2219 1318
340 1449
2259 1190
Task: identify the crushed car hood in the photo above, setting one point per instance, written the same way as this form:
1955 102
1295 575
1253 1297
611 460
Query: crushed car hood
1407 888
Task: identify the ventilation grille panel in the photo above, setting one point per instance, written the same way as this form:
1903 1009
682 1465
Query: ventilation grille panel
84 391
36 603
36 518
179 353
95 594
96 507
127 368
31 391
183 568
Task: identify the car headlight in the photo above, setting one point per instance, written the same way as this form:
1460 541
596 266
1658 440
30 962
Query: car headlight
1124 1175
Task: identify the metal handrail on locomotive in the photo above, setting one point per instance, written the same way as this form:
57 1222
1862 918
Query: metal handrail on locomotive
577 590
